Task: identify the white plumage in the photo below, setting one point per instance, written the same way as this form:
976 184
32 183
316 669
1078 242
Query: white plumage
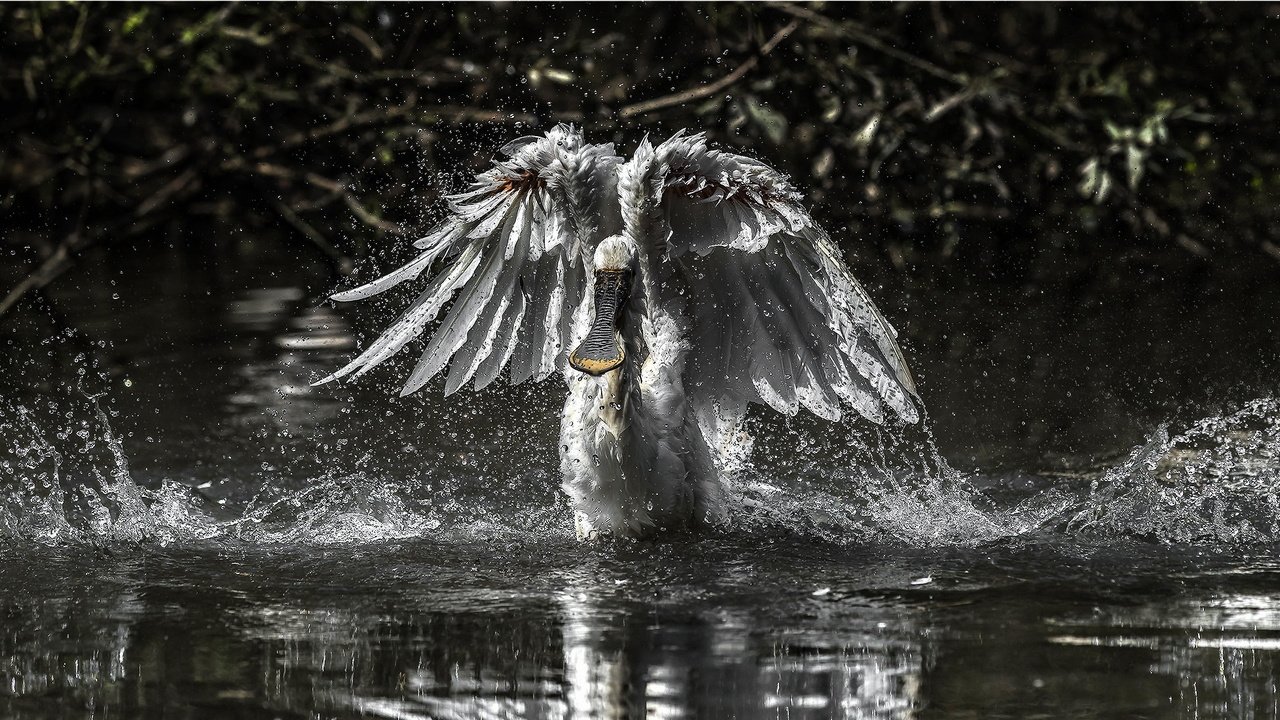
713 288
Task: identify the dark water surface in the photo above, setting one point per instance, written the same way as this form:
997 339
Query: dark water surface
1087 528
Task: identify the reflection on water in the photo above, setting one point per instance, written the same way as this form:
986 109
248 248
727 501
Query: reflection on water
575 655
1223 649
286 638
72 648
623 664
277 386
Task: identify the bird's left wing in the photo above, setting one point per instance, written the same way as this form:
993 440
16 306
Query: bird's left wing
516 245
774 316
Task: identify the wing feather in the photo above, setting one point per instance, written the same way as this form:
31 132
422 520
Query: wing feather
490 367
774 315
792 321
530 341
471 319
548 345
487 332
510 243
411 323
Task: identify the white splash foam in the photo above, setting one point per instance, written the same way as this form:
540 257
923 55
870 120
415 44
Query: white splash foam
1211 484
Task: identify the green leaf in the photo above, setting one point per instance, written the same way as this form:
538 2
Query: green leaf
831 107
772 122
868 132
134 20
1104 188
1089 177
1134 158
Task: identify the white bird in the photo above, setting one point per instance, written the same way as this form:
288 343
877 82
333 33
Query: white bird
688 281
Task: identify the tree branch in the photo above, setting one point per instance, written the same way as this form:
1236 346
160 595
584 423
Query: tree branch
340 261
703 91
853 31
49 270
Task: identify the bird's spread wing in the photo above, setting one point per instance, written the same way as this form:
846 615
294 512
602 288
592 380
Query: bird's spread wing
515 247
774 315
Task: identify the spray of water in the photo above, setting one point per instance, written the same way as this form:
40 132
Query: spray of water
1210 484
1215 482
877 485
48 504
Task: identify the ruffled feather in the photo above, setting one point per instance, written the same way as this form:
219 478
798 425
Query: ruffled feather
516 243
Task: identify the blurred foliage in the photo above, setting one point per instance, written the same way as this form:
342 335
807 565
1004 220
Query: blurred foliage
1010 136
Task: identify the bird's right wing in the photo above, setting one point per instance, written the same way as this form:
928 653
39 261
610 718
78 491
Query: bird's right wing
774 316
516 245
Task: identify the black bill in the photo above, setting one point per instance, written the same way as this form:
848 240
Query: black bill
602 350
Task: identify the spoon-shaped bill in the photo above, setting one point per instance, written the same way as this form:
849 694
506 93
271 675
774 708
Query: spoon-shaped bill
602 350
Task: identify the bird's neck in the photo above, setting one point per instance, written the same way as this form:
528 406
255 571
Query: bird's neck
620 389
631 455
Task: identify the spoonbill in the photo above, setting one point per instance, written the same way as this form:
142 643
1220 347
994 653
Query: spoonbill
671 290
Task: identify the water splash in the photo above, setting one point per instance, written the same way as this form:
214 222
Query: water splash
1215 482
1212 484
871 484
99 503
101 506
332 511
112 509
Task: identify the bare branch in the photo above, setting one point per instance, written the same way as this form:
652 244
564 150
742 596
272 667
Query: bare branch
164 194
49 270
703 91
340 261
853 31
367 217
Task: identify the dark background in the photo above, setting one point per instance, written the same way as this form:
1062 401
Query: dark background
1067 211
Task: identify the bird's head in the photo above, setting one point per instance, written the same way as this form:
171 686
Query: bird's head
602 349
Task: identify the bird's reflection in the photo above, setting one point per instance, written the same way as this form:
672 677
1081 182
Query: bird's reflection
584 651
589 655
727 664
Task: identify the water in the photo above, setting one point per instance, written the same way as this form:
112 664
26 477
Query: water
1086 528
